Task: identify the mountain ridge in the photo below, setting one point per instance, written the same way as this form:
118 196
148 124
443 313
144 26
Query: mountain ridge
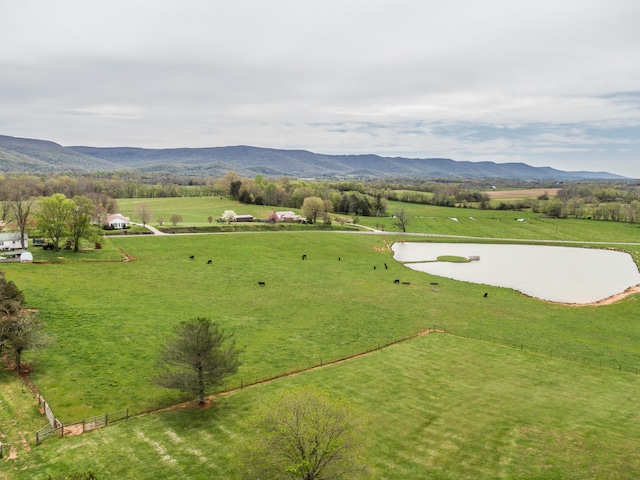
32 155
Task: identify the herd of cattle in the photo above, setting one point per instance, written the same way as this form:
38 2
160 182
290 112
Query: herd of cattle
304 257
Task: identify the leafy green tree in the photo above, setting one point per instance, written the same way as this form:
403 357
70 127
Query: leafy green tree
312 207
304 434
11 298
53 216
19 332
80 222
198 357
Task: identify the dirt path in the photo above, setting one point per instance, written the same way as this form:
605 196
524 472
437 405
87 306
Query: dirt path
609 300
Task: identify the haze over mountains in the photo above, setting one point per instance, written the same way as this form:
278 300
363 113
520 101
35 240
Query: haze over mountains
41 156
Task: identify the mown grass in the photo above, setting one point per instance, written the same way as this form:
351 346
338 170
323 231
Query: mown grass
108 319
437 407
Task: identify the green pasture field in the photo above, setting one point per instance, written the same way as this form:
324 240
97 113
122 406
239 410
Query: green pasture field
437 406
108 318
195 211
494 224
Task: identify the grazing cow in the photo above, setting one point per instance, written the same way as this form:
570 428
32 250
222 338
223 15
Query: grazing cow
304 257
385 266
192 257
434 283
338 258
486 294
396 281
374 267
261 284
209 262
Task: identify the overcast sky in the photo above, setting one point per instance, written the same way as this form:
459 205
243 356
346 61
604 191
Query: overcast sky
545 82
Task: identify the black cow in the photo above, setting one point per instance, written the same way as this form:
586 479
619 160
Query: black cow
304 257
396 281
262 284
486 294
192 257
385 266
209 262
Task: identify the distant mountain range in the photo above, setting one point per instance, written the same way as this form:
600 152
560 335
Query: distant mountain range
41 156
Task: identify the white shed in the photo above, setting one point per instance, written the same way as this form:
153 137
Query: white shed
26 257
11 241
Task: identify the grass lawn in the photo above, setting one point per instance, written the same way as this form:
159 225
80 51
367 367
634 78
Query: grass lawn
437 406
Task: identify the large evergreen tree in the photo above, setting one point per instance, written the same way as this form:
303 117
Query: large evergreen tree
198 357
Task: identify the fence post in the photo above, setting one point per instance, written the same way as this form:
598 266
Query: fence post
0 449
106 419
83 425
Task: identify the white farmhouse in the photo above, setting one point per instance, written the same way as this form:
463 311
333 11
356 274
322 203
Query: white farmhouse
117 221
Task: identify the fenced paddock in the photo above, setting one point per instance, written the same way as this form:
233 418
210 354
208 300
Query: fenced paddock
55 427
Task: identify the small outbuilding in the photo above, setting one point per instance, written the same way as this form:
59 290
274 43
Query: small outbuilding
26 257
12 241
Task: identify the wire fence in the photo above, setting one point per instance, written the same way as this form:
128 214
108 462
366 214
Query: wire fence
55 427
570 353
87 424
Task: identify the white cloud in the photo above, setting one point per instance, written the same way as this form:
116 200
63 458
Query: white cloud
331 76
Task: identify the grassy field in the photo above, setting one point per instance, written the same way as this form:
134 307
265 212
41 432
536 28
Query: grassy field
193 210
520 383
437 407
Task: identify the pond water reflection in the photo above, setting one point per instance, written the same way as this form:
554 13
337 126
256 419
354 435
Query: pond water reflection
558 274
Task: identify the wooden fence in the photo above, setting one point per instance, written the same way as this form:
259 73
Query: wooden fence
55 427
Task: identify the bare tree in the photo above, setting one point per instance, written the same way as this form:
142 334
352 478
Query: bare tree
143 212
304 434
18 202
196 358
402 219
175 219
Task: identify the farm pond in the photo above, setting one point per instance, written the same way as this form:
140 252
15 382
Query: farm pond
557 274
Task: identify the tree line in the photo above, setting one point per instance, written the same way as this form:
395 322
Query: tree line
611 200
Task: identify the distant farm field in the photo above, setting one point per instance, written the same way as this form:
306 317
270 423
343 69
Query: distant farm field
521 194
514 384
